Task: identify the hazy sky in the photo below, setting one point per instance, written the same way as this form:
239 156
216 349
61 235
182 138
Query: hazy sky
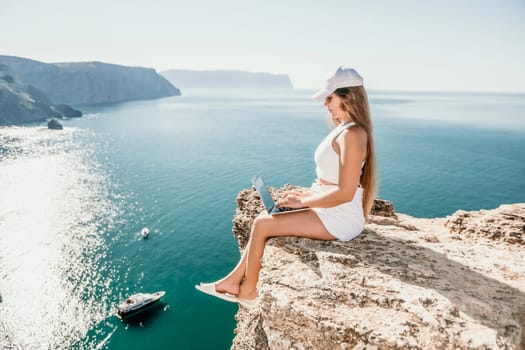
453 45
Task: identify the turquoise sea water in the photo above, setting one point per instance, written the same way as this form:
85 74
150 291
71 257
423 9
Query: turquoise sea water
72 203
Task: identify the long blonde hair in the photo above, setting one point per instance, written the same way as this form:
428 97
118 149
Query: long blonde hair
355 103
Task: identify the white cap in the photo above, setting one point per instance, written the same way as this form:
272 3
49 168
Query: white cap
343 77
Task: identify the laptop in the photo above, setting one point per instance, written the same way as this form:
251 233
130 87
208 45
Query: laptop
266 197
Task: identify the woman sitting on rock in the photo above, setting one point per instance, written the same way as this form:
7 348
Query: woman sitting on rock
339 200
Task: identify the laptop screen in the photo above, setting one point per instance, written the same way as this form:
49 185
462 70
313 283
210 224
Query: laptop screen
265 195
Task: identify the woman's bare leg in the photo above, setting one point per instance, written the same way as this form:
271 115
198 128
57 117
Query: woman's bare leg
300 224
232 281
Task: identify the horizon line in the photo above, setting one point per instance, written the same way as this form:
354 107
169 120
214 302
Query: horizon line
158 71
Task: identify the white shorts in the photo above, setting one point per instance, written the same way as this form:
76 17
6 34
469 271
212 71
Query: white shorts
344 221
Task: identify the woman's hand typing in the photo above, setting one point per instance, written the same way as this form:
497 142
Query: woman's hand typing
292 199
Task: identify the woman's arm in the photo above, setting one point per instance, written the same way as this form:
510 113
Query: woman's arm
351 147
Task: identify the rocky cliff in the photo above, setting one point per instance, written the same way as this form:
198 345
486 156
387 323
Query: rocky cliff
22 104
227 79
404 283
90 82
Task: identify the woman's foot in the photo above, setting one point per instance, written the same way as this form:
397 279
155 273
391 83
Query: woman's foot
227 287
247 293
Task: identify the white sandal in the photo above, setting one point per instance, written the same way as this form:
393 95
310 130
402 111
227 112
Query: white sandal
209 288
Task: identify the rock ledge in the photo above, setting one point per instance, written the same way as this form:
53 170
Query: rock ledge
404 283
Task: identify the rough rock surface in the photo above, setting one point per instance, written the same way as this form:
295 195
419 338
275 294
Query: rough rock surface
404 283
507 223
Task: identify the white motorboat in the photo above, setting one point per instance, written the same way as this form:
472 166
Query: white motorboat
138 302
145 232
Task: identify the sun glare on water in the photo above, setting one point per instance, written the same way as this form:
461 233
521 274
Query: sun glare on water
53 213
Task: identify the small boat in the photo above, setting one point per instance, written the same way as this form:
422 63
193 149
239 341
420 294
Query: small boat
138 302
145 232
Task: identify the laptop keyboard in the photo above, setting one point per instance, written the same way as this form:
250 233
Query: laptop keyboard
284 209
281 209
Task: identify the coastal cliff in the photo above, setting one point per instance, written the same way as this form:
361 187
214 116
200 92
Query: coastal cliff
78 83
23 104
404 283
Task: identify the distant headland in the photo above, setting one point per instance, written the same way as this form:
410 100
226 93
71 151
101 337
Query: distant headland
227 79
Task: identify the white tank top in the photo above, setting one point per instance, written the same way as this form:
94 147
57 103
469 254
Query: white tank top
326 159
